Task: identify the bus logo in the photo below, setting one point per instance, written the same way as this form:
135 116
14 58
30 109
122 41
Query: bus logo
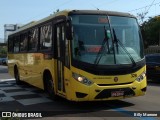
115 79
6 114
133 75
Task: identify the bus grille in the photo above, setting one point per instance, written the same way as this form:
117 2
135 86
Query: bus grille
114 84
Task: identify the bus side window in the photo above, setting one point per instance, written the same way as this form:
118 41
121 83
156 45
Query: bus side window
23 42
10 45
16 44
46 37
33 40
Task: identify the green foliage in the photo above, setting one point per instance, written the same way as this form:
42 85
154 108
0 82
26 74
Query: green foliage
151 31
3 51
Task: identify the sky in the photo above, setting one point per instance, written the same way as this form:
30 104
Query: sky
25 11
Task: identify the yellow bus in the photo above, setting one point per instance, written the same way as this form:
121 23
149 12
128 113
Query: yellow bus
80 55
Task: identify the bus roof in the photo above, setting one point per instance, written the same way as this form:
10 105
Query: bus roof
72 12
34 23
97 12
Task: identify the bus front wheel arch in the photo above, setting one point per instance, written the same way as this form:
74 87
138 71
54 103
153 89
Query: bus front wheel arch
49 85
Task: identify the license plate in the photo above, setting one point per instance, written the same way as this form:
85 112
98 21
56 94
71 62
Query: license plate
117 93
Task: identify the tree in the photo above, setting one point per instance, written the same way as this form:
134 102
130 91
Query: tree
151 31
3 51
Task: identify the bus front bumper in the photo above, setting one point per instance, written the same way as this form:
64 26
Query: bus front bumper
100 93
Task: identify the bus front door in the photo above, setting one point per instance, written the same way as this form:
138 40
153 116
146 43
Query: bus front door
60 48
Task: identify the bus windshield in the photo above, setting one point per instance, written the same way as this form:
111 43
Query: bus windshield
106 40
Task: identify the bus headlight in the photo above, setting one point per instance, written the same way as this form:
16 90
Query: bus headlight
141 77
82 79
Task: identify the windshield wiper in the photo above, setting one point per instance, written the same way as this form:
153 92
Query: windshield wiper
116 40
104 43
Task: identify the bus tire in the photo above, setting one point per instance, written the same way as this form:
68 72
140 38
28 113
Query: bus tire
49 86
17 78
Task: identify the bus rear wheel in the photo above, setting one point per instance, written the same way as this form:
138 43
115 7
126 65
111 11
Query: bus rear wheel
17 78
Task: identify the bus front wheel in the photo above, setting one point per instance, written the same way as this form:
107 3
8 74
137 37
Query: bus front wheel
50 87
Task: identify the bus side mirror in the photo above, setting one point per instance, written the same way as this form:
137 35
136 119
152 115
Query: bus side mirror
68 29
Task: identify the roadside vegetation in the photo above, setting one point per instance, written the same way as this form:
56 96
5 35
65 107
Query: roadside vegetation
3 51
151 31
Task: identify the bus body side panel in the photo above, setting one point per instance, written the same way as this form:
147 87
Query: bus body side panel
31 67
11 63
34 68
38 65
17 60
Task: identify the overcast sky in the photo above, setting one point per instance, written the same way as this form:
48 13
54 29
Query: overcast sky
25 11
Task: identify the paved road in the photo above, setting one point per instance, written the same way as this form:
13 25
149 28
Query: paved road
4 73
27 98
